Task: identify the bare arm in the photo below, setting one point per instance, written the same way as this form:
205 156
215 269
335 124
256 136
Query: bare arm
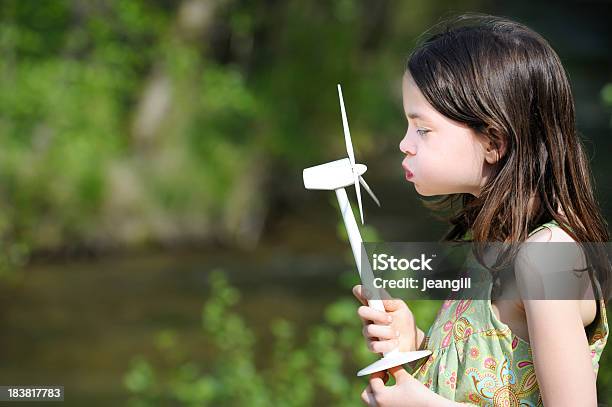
560 352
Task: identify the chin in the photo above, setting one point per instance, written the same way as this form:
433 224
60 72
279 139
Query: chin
422 192
425 192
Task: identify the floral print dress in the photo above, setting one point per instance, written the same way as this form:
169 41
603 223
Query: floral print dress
477 360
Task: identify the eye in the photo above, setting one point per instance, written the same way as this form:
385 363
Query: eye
422 132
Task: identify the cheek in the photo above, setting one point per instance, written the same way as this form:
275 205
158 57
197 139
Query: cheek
435 175
464 157
450 165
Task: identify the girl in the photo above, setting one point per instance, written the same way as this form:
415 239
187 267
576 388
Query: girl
491 126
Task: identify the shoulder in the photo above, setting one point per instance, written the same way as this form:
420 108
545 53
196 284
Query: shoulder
549 249
543 261
550 233
542 272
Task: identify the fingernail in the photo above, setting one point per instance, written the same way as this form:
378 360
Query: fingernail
397 333
390 318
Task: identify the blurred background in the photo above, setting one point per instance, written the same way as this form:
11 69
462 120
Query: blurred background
157 244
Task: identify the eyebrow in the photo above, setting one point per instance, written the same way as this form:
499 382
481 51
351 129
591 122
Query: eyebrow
413 115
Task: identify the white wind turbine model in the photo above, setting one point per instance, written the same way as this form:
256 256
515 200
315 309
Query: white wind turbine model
337 175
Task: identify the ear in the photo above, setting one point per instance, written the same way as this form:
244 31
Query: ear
495 145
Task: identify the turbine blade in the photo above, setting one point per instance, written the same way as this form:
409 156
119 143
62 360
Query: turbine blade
347 133
369 190
349 150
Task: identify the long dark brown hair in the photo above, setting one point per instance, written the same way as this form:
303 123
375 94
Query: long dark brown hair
504 80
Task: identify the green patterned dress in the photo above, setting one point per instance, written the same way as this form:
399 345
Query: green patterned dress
477 360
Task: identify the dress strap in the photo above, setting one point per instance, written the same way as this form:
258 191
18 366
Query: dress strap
598 329
468 233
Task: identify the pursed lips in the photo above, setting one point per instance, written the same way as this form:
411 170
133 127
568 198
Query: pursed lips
405 167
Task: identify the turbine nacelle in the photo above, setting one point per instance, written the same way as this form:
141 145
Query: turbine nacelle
333 175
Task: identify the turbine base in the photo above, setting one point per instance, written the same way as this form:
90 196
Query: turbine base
392 359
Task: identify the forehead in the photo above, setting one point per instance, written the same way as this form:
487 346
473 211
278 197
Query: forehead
413 100
417 107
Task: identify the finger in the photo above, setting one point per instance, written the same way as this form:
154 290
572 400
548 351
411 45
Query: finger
383 375
394 304
399 373
376 383
368 397
358 293
364 397
383 346
370 314
384 294
380 331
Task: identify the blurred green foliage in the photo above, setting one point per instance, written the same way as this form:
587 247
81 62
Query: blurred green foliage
67 85
73 171
132 122
606 96
317 370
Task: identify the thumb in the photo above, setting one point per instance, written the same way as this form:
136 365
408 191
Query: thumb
399 373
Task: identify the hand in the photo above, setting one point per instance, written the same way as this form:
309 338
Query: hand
384 331
406 392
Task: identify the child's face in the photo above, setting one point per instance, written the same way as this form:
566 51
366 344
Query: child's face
443 156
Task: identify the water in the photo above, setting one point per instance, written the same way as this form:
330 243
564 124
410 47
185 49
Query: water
80 323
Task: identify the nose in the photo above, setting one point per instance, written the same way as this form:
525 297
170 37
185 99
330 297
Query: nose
406 146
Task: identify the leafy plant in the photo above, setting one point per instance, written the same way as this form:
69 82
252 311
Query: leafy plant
319 371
